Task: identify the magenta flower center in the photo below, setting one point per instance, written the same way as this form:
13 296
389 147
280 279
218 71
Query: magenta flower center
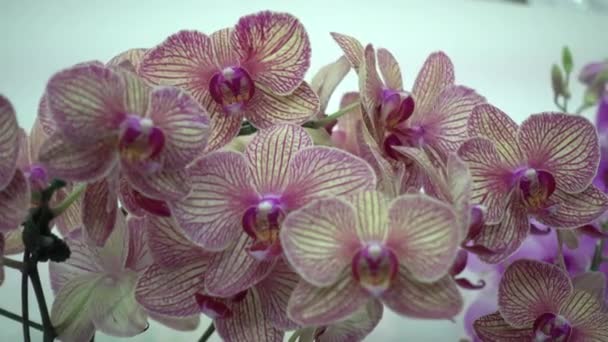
262 222
395 108
374 267
140 140
535 187
232 88
549 327
37 176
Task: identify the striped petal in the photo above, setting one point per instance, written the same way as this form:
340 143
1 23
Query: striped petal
128 199
128 60
275 291
71 218
422 234
582 310
69 314
409 297
356 327
112 256
352 48
248 322
87 102
575 210
223 129
13 243
184 59
267 109
14 203
389 68
494 124
45 117
311 305
169 247
327 79
162 185
189 323
592 282
99 210
530 288
370 85
317 172
269 155
274 48
170 291
564 145
505 237
372 215
234 270
494 328
139 256
36 139
594 329
221 192
490 176
184 123
9 141
460 183
436 74
449 115
320 240
69 161
136 94
224 53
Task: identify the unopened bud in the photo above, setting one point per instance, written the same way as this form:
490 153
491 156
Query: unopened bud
557 81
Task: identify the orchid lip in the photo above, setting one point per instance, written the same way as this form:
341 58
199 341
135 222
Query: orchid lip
374 266
140 140
551 327
535 187
232 88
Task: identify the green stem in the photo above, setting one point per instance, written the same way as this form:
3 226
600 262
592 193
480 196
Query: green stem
562 108
25 313
329 118
207 334
68 201
20 319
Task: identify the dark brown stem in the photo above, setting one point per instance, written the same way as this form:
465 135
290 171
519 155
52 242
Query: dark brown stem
25 314
49 332
207 334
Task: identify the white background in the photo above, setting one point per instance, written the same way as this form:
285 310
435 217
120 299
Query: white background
504 51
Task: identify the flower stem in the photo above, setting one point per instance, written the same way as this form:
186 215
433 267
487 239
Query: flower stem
68 201
20 319
14 264
329 118
560 250
49 332
207 334
24 300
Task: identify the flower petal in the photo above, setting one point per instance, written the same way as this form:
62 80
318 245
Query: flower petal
127 196
494 328
581 309
530 288
389 67
69 313
69 161
449 115
13 243
9 141
494 124
505 237
575 210
189 323
235 270
169 247
591 282
170 291
184 123
327 79
274 292
459 181
99 211
436 74
267 109
352 48
422 234
593 329
87 102
311 305
371 85
139 256
14 203
320 240
564 145
274 48
223 129
409 297
317 172
270 153
490 176
128 60
356 327
160 185
112 257
71 218
223 51
221 192
248 322
372 216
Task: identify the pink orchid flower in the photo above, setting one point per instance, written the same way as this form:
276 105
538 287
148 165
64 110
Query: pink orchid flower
174 286
14 187
107 124
541 169
254 71
238 201
366 249
537 301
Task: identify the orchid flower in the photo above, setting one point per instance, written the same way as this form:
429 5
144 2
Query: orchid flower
238 201
254 71
538 301
352 252
174 285
109 123
326 80
542 169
